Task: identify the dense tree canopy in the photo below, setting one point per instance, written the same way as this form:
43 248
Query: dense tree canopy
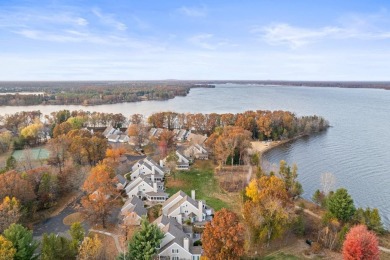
223 237
341 205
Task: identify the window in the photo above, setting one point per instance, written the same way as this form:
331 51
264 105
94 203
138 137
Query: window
175 251
195 257
175 258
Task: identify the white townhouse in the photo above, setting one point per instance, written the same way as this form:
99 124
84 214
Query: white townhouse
145 166
132 211
181 134
177 244
183 208
196 151
183 163
110 131
147 187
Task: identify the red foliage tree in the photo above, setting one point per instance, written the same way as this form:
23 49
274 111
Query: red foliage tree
360 244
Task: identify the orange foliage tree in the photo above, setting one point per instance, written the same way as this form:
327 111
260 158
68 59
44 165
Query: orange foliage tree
223 237
360 244
99 201
12 184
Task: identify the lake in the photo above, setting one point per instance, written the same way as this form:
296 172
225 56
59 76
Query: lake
356 149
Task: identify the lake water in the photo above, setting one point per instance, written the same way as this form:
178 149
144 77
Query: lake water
356 149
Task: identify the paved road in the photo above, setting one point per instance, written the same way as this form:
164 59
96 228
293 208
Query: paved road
55 224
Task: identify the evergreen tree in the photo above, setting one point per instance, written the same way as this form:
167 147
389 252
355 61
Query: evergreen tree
23 242
77 233
56 247
341 205
144 242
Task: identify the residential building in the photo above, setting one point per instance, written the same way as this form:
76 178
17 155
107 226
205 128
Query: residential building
185 208
196 138
196 151
149 187
132 211
183 163
178 243
146 166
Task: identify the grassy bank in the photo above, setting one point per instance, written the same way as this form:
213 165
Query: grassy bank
201 179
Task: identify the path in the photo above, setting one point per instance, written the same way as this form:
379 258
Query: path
311 213
114 236
249 175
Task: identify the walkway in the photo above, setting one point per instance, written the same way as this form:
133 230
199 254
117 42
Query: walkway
114 236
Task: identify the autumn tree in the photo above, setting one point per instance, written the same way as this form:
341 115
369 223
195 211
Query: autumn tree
90 248
7 251
341 205
290 176
48 190
144 243
223 237
58 148
360 244
32 133
5 141
62 129
166 142
9 212
23 242
12 184
267 211
138 129
100 188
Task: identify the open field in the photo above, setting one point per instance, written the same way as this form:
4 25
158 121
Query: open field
201 179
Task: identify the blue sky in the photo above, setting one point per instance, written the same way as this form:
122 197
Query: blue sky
150 39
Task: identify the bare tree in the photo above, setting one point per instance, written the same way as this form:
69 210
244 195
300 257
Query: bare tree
328 182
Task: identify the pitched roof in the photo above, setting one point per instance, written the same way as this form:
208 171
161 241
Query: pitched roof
121 179
137 206
173 197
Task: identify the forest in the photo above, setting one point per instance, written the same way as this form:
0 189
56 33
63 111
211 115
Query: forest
90 93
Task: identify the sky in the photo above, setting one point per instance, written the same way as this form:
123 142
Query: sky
195 40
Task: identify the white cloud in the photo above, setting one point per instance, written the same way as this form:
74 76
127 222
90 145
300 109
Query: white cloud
353 26
208 41
193 11
109 19
295 36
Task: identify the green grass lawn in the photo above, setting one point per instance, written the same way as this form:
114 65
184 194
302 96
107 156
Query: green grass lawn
280 256
201 179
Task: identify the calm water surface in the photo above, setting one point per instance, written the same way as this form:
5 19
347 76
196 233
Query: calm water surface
356 149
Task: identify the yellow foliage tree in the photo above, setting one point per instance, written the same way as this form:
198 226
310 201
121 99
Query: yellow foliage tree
90 248
7 251
9 212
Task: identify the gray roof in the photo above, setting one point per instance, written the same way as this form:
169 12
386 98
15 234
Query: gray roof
173 197
138 206
107 130
121 179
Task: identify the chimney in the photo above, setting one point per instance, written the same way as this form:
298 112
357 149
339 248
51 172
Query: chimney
193 194
200 211
161 163
155 186
152 178
153 169
186 244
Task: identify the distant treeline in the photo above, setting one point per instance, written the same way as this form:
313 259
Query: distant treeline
263 125
91 93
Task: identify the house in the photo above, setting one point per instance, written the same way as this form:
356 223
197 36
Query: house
177 242
133 211
146 166
155 132
183 163
196 139
196 151
180 134
184 208
121 182
110 131
148 187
